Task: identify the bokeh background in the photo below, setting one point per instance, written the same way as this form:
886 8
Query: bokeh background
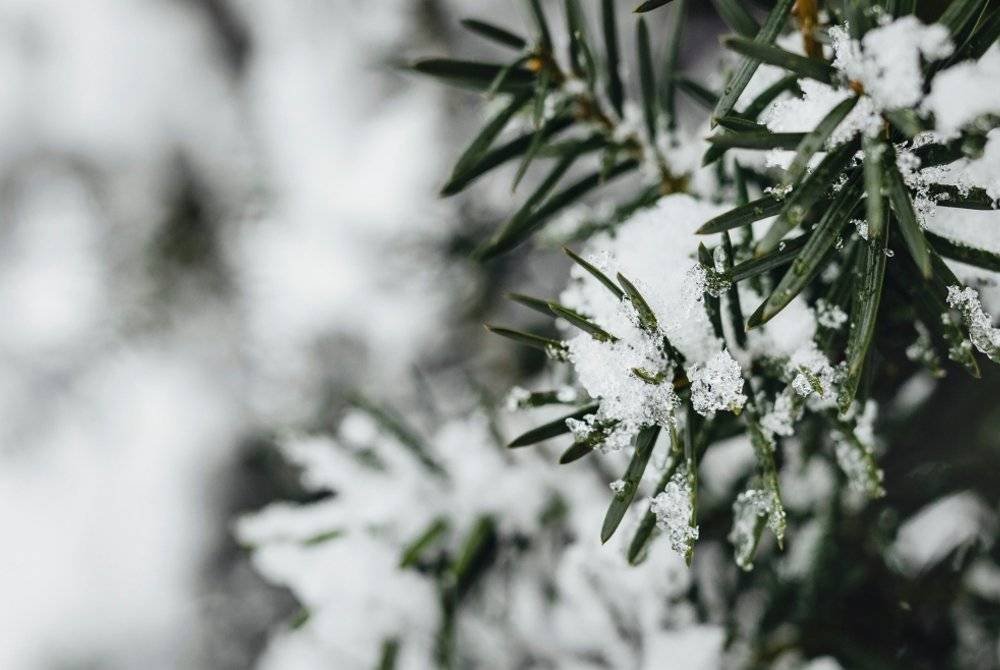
216 216
219 219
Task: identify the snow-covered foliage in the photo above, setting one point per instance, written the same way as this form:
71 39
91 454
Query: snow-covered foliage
727 345
482 558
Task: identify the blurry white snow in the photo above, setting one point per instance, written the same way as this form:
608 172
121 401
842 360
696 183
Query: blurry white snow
352 177
938 528
116 414
101 511
107 440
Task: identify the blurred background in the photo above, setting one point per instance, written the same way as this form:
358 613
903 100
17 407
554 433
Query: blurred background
218 219
216 216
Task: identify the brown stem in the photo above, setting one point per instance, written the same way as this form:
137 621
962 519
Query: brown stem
807 12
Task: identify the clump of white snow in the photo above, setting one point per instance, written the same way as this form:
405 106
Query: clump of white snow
830 315
386 498
717 385
964 92
802 114
888 60
673 510
633 374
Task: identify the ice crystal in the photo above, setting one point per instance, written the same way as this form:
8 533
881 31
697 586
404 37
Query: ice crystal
581 429
862 227
717 385
602 260
855 463
964 174
887 61
830 315
607 371
908 164
801 385
673 509
864 427
617 486
696 283
620 435
700 280
719 259
984 336
607 434
780 191
751 511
